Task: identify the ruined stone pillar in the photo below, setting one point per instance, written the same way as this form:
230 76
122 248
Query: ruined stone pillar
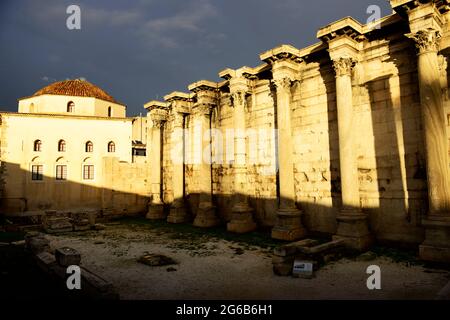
286 66
242 213
158 115
345 40
179 107
346 129
436 246
434 124
352 222
427 24
178 212
206 92
289 226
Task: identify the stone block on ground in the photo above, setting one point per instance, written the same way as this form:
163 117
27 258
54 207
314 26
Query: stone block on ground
98 226
97 287
56 221
45 261
37 243
292 248
67 256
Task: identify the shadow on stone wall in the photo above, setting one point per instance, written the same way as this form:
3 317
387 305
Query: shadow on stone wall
20 194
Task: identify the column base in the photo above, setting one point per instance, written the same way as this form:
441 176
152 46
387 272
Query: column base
178 214
156 212
241 219
353 228
289 226
206 216
436 247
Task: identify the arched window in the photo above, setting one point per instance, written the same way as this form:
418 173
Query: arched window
109 112
70 106
61 146
89 146
37 146
111 147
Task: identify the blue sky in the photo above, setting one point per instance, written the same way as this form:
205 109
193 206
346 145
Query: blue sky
140 50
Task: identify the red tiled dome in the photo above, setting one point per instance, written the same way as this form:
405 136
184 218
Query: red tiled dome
77 87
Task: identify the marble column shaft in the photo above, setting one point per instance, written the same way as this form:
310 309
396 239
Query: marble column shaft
346 131
285 144
178 212
434 124
156 205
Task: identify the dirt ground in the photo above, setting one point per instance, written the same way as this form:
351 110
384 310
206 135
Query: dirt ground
213 267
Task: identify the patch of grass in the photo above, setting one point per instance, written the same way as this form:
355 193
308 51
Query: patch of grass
189 232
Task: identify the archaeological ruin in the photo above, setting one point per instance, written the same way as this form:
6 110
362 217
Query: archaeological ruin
347 138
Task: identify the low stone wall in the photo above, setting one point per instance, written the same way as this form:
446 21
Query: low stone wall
54 262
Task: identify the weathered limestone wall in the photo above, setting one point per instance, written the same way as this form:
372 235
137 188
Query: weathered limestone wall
262 166
347 134
260 120
125 187
390 144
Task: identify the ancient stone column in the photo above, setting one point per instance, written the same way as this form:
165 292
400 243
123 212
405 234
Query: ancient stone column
348 166
206 100
178 213
289 226
352 222
436 246
242 213
158 115
434 124
427 22
286 64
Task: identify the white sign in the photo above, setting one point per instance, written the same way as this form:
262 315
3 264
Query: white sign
303 269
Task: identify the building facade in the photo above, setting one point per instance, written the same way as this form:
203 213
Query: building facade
69 147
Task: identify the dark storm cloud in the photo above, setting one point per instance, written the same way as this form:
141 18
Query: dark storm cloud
141 50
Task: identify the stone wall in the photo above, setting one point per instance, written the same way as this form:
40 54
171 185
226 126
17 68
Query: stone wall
126 188
387 126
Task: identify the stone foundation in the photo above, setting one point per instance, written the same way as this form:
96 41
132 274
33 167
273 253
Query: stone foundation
206 216
241 219
436 246
156 212
353 229
289 226
178 214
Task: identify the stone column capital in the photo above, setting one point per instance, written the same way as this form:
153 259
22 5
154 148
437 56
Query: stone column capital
426 40
343 66
238 98
177 119
158 123
283 84
203 109
158 117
